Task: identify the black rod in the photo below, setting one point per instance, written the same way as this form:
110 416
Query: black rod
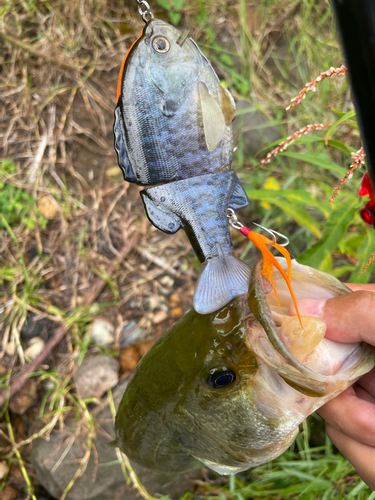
356 24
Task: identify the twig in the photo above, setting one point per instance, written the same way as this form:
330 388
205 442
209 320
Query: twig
38 158
31 367
59 333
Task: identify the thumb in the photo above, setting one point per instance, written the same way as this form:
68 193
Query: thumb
349 318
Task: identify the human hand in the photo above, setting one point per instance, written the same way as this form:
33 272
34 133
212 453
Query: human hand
351 415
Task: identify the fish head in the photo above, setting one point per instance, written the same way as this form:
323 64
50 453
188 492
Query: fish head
170 60
173 63
193 400
221 390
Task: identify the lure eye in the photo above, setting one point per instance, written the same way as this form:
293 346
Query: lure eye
161 44
221 379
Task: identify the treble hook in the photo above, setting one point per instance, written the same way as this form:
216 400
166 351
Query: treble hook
272 232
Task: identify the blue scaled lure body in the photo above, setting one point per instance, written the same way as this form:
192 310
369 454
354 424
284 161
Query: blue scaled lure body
173 134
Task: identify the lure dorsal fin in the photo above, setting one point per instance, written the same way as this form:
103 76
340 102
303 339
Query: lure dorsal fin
213 118
119 81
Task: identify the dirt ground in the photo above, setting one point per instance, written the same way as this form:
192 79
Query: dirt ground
91 251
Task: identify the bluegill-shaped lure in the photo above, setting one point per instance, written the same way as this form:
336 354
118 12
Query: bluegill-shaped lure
173 134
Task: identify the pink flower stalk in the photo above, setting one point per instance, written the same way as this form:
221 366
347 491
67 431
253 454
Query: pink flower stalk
370 261
311 85
284 144
358 158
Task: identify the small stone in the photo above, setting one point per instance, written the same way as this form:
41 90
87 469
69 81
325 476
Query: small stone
129 358
102 332
103 479
96 375
3 370
24 398
176 312
113 172
4 469
159 317
48 207
174 299
167 281
143 347
11 348
35 347
131 334
9 493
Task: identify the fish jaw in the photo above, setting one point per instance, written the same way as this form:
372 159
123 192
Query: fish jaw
309 377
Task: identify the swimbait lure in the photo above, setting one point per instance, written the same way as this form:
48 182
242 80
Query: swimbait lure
173 131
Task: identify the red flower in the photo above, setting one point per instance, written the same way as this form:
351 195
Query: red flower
368 212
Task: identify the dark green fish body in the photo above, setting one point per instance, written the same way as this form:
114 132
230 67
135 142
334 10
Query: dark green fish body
219 389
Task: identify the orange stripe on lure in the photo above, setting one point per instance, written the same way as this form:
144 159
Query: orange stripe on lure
119 81
269 262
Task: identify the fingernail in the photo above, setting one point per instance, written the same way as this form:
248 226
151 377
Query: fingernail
309 307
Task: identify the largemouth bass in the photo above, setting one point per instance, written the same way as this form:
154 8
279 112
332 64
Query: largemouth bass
229 389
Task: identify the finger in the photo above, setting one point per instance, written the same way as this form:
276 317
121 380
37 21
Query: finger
363 394
370 287
360 455
368 382
352 416
349 318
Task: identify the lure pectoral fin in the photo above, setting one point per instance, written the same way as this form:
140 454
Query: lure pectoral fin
213 118
227 104
159 218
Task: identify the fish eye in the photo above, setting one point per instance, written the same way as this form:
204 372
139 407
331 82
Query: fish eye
221 379
161 44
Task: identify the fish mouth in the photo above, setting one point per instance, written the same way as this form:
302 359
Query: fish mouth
302 356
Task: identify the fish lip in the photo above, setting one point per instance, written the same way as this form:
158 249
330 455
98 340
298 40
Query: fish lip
293 372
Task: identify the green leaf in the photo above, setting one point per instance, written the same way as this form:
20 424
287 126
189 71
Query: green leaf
175 17
165 4
317 160
344 118
334 229
336 144
301 216
178 4
365 250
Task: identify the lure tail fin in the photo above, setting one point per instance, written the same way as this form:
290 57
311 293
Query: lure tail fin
220 281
